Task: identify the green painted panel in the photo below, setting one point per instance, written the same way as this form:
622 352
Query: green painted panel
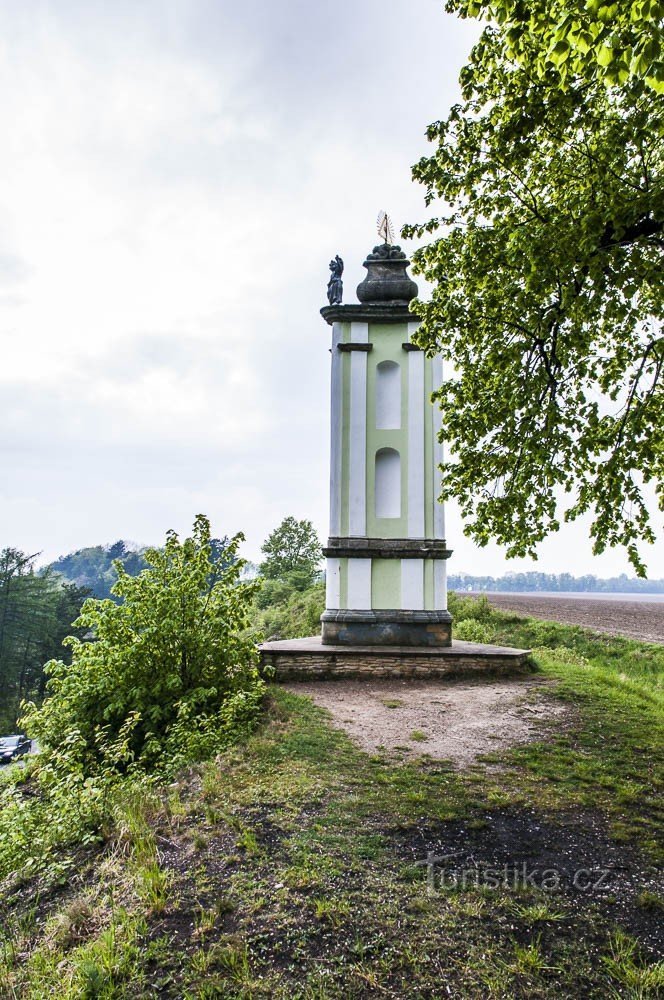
387 339
385 584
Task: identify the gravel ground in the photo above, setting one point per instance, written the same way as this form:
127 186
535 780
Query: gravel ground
446 720
459 721
635 619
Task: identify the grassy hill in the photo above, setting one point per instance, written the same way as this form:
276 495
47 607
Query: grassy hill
293 865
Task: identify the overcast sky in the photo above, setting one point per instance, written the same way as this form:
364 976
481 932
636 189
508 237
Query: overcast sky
175 176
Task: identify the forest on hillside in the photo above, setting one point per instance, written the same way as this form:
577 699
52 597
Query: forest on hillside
37 609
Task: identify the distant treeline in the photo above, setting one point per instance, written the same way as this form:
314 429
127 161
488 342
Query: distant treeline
561 582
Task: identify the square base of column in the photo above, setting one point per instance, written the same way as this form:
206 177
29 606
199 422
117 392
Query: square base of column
309 659
386 628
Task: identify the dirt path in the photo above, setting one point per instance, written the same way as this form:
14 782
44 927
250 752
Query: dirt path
635 619
443 719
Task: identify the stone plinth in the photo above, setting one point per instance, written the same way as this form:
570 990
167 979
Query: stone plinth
389 628
309 659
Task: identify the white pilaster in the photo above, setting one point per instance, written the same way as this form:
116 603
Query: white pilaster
333 584
440 584
436 416
357 487
412 584
336 430
359 584
416 404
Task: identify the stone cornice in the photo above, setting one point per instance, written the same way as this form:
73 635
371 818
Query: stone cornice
386 548
372 312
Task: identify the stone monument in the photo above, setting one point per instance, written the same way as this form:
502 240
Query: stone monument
386 554
386 590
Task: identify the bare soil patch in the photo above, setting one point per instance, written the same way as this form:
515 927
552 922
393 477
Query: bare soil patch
643 620
454 721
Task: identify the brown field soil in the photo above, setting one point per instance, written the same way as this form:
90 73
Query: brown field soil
642 620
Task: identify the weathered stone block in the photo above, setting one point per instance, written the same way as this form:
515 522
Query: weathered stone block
309 658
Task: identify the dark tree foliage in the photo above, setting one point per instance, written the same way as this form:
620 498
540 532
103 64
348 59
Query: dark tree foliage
94 567
36 613
222 556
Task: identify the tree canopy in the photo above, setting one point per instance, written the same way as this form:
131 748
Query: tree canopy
592 39
292 549
95 567
36 613
548 289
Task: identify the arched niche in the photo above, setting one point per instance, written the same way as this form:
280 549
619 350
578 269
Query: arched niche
388 395
388 483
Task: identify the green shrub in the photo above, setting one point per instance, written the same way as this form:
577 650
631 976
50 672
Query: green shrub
464 607
172 652
472 630
296 615
164 677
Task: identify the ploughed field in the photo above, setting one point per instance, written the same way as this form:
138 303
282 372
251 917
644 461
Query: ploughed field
642 620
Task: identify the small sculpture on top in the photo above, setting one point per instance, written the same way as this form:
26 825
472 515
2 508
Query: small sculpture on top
335 286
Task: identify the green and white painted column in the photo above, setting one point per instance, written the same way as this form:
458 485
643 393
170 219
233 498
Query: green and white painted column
386 554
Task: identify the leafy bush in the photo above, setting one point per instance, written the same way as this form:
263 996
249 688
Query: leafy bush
275 592
163 678
172 652
55 803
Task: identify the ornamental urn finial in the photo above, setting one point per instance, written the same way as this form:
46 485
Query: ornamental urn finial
387 279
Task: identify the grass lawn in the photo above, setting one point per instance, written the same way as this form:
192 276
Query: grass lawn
296 866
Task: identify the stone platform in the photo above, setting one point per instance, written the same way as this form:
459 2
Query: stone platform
308 659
